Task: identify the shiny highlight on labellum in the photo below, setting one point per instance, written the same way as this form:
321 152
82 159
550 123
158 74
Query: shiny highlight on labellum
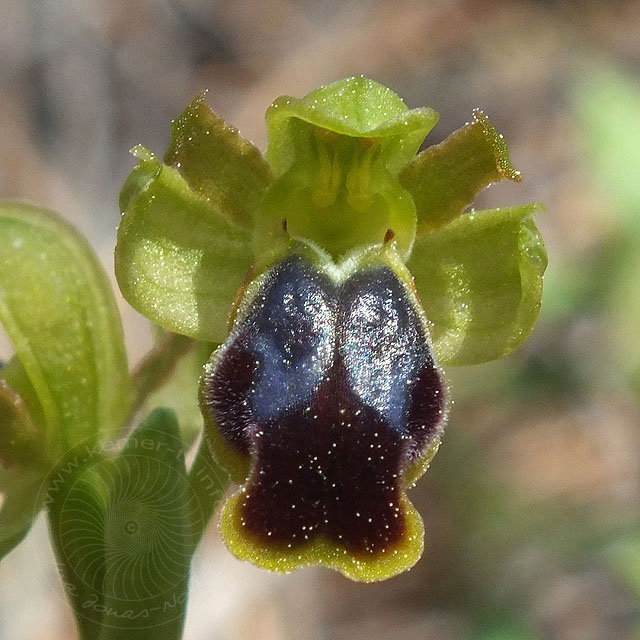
326 403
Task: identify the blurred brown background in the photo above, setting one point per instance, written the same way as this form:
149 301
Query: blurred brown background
532 505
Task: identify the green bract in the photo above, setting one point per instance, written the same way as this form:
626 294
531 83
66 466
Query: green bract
52 288
68 381
342 176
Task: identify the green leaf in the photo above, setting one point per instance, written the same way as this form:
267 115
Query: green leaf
124 530
445 179
57 308
217 163
356 107
178 260
148 535
76 500
480 281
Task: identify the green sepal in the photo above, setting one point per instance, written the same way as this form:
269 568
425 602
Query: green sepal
148 535
444 179
355 107
179 261
336 154
480 281
58 310
228 171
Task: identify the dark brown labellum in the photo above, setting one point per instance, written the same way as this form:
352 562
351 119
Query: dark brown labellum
332 390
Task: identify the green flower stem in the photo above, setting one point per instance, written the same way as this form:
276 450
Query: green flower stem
157 366
207 479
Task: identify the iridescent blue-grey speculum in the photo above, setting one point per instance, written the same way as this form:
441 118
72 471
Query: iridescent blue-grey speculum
327 403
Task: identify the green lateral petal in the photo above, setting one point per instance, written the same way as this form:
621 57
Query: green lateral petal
178 260
356 107
445 179
480 282
57 308
148 534
217 163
